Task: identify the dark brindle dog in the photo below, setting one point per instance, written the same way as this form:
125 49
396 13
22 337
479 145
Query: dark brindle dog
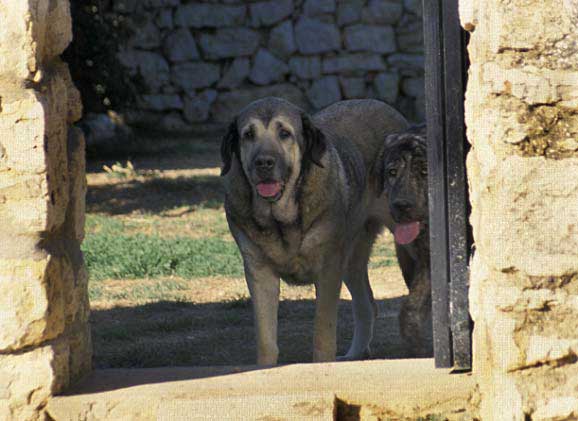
402 171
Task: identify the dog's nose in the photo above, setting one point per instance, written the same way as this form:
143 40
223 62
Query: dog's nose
264 162
402 205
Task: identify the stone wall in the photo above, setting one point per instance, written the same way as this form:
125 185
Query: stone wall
522 118
202 61
44 334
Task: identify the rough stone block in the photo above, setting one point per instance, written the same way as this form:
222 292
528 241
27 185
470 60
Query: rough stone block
203 15
558 408
387 86
146 36
196 108
228 104
267 68
535 202
58 28
282 40
20 50
152 67
191 76
80 346
414 6
324 92
353 64
353 87
235 74
413 87
410 37
305 67
32 303
161 102
229 42
314 36
318 7
180 46
267 13
155 4
30 378
378 39
174 122
164 19
408 64
349 12
75 214
382 12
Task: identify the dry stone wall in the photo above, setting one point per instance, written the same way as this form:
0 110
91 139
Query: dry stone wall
44 336
522 121
201 61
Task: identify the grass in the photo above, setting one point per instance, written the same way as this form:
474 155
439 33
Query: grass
113 256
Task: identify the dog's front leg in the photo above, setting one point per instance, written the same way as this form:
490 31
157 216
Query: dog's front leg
325 329
263 285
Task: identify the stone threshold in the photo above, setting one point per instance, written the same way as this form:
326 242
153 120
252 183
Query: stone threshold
367 390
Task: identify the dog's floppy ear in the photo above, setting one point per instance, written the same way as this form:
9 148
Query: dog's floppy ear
229 146
314 139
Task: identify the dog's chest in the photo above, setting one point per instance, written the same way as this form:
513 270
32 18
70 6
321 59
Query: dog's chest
295 255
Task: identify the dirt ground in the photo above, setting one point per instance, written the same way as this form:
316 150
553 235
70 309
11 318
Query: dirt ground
204 321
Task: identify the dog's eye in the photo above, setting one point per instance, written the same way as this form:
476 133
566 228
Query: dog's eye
284 134
249 135
392 172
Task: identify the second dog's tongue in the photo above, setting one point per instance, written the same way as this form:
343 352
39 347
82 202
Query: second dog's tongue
406 233
268 189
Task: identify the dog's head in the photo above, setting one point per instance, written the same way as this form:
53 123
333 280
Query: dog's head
402 175
274 141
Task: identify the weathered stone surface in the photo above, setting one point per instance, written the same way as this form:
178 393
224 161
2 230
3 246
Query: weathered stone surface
413 6
155 4
197 107
124 6
349 12
267 68
305 67
203 15
235 74
383 12
191 76
229 42
31 299
173 122
408 64
27 380
314 36
282 40
180 46
353 87
146 36
267 13
152 67
75 214
318 7
161 102
164 19
410 37
378 39
559 408
324 91
228 104
413 87
353 64
387 86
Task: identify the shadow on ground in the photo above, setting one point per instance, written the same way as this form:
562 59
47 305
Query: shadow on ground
221 334
154 195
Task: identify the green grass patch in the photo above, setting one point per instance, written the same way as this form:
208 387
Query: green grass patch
113 256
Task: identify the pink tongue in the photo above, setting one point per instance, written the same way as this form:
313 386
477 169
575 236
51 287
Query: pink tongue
406 233
269 189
